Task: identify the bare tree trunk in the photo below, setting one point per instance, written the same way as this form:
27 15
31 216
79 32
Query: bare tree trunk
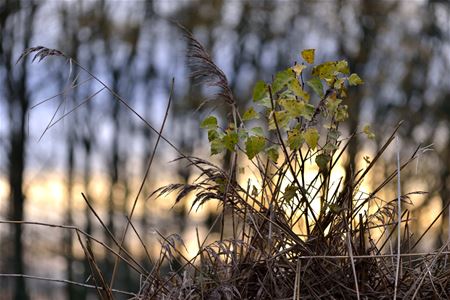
69 211
18 103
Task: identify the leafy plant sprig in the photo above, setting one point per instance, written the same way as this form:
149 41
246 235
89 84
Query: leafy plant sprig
286 103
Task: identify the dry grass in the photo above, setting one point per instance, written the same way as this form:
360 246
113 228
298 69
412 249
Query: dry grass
274 244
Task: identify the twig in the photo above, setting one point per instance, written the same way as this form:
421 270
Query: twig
399 216
141 187
89 286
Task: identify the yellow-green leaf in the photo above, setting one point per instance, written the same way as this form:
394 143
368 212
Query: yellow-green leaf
298 69
273 153
342 113
368 131
326 70
295 139
217 146
257 131
308 55
332 104
259 91
308 111
282 79
213 135
322 161
298 91
295 108
342 67
282 117
311 136
354 79
230 140
289 192
254 145
209 123
316 85
250 114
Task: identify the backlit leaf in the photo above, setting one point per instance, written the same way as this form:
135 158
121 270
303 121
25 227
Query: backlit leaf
308 55
311 136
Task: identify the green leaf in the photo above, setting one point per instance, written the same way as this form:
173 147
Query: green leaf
217 146
282 79
308 55
354 79
336 209
213 134
254 145
273 153
308 111
209 123
254 191
250 114
316 84
282 117
290 191
259 91
334 134
322 161
329 148
295 139
230 140
257 131
368 131
311 136
242 134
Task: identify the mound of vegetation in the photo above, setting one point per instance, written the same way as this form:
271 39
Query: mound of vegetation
300 229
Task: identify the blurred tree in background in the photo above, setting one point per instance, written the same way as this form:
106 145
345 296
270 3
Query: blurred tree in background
400 48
